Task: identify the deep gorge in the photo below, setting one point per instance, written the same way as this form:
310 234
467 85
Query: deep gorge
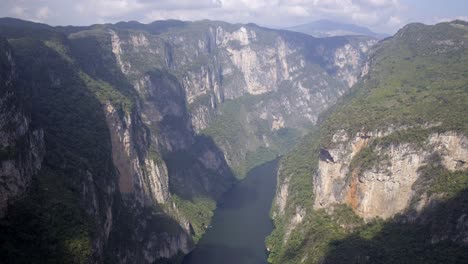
241 222
145 143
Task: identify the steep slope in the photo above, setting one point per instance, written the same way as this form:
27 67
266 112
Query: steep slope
21 145
384 179
253 90
103 186
131 123
65 212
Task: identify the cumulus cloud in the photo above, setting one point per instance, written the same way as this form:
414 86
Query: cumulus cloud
37 14
43 13
384 15
394 21
17 11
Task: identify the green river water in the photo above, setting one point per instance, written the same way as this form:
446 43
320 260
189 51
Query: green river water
240 223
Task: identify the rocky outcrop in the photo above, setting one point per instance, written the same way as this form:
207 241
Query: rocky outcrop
348 60
388 164
142 175
218 62
386 187
182 81
145 97
281 197
21 145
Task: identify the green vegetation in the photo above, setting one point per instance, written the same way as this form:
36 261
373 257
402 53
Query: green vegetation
244 139
230 125
417 135
364 160
204 99
48 225
367 158
344 215
417 80
436 179
106 93
402 241
199 212
313 238
448 183
296 168
418 85
260 156
407 86
7 153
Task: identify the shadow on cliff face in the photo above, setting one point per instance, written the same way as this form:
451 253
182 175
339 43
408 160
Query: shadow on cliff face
252 188
199 170
144 232
196 165
438 235
141 231
65 214
66 200
215 254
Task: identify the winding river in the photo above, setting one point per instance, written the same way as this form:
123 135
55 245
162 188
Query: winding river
240 223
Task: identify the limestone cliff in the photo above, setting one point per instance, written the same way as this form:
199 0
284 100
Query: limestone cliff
21 145
127 135
385 187
386 170
150 132
216 62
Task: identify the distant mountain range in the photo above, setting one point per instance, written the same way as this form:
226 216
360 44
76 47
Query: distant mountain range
327 28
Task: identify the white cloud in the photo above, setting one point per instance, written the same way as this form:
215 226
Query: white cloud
395 21
43 13
365 18
80 8
113 8
17 11
379 3
297 10
380 14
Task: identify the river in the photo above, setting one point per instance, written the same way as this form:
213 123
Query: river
240 223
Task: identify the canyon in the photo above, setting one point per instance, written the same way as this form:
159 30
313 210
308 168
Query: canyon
120 141
133 131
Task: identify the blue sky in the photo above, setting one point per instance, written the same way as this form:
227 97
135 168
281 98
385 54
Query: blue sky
380 15
434 11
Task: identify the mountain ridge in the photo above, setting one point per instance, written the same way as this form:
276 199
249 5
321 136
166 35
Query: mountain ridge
384 162
141 184
119 139
328 28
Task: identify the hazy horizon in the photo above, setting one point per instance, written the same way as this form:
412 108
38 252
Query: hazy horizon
383 16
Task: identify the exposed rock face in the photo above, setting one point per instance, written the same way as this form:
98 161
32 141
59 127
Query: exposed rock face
218 62
282 195
348 60
214 63
146 179
387 187
453 149
159 88
332 176
21 146
248 60
383 154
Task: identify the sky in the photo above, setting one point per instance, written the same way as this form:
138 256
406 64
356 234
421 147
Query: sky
384 16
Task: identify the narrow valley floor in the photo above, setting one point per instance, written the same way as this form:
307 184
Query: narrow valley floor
241 222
